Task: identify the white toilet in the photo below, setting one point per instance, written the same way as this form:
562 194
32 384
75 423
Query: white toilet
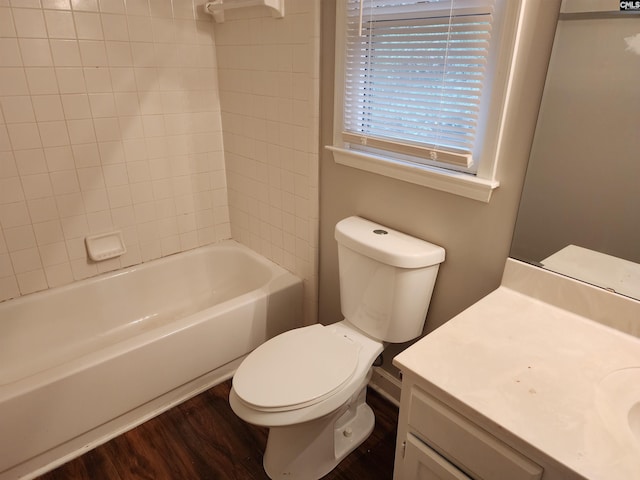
308 385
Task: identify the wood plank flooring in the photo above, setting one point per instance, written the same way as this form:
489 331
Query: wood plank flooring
203 439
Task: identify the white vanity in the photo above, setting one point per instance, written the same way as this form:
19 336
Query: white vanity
538 380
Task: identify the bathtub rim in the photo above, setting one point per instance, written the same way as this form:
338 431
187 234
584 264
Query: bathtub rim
228 243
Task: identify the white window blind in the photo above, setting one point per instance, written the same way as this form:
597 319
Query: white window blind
414 77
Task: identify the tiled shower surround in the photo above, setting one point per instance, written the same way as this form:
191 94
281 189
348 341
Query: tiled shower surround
268 70
111 118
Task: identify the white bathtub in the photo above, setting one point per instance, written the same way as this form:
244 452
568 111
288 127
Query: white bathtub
83 363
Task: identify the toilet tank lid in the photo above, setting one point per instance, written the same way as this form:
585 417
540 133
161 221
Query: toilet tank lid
386 245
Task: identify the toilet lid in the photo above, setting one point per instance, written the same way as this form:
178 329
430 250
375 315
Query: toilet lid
296 369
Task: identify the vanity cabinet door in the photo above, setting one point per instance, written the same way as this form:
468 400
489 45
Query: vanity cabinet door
421 463
465 444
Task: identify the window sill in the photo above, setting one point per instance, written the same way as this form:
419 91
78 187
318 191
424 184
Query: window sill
461 184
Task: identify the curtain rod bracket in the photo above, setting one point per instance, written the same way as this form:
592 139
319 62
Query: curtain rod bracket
216 8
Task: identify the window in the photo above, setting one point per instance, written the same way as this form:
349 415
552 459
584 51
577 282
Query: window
414 86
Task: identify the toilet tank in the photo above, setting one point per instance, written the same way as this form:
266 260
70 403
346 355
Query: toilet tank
386 279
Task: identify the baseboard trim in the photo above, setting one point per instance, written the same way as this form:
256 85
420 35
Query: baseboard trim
386 385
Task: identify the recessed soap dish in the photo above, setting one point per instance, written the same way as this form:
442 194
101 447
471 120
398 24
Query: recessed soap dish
105 246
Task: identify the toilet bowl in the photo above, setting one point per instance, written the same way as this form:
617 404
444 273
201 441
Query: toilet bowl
308 385
314 379
302 374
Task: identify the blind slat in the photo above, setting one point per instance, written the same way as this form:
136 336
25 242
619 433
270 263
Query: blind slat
417 129
447 92
465 126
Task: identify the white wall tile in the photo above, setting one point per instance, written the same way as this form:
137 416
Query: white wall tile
25 259
95 200
65 53
81 269
17 109
36 186
29 162
53 253
14 215
69 205
112 6
47 108
140 27
85 5
6 23
41 81
33 281
9 288
163 30
59 24
19 239
13 81
102 105
29 23
76 106
115 175
122 218
86 155
88 26
6 269
42 209
75 226
97 80
119 196
183 9
70 80
81 131
58 275
100 222
114 27
123 79
10 53
56 4
24 135
64 182
48 232
137 7
93 53
53 134
161 8
76 249
111 152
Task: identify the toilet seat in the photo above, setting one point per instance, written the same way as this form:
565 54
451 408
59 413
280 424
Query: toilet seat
296 369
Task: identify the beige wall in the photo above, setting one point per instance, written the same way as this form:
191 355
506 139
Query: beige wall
109 120
476 235
269 88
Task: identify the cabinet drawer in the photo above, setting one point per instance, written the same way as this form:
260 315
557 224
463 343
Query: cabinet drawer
467 446
422 463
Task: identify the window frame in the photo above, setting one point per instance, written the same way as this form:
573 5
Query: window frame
478 185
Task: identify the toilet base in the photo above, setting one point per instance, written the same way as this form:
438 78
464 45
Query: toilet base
310 450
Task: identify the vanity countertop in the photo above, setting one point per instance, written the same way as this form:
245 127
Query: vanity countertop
541 374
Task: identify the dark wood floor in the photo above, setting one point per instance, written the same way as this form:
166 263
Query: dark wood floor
203 439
